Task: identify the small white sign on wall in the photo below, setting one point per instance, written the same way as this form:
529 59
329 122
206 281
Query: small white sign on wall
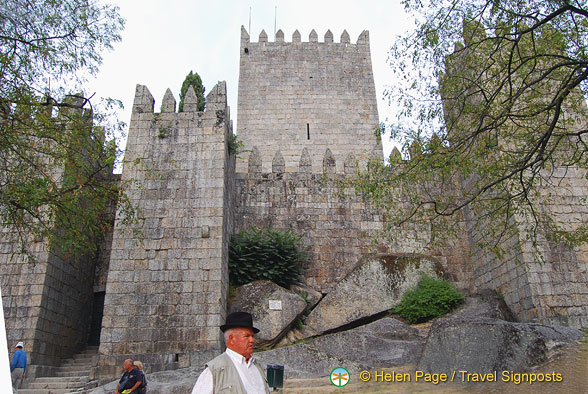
275 305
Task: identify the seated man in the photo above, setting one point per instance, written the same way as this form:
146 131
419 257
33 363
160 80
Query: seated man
130 380
235 371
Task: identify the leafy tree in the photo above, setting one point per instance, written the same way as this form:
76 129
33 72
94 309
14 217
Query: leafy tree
492 106
54 161
193 79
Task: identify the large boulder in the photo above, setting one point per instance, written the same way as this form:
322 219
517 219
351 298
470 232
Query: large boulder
304 361
274 309
311 296
384 343
180 381
371 288
485 345
485 303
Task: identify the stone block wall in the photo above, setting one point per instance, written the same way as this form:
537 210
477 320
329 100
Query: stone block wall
47 302
336 224
166 285
103 258
22 284
560 282
545 282
313 95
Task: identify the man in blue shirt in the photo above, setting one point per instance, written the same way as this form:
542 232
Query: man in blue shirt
18 366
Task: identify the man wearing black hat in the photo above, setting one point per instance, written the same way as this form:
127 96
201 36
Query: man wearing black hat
235 371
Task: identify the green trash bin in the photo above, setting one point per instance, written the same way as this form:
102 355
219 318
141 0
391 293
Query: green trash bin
275 376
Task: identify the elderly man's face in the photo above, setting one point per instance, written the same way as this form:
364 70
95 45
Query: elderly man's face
242 341
128 365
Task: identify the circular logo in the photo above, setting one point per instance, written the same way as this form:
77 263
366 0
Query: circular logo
339 377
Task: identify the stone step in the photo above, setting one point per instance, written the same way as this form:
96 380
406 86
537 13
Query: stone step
84 356
74 367
90 362
73 373
51 379
45 391
71 377
54 385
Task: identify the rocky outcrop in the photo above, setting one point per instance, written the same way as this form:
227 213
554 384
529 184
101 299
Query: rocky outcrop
486 345
485 303
383 343
311 296
180 381
273 308
371 288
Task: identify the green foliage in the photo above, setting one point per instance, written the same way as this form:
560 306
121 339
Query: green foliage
192 79
235 145
430 298
258 254
490 97
55 162
298 323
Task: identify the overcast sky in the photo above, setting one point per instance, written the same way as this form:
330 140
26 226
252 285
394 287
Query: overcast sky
164 40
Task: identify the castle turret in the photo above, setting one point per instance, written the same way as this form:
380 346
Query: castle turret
314 95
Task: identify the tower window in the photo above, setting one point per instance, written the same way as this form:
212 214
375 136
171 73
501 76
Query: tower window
307 131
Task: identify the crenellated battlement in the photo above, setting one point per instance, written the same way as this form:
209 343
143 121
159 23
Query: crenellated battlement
296 95
344 40
215 100
349 164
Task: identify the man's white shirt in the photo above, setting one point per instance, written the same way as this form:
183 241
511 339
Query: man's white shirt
252 381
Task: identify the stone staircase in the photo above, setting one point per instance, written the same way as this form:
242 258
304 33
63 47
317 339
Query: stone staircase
70 377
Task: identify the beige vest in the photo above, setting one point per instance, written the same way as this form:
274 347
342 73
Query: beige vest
225 378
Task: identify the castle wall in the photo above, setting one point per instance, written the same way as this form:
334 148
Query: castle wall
335 223
543 282
103 258
559 282
47 302
314 95
22 284
166 285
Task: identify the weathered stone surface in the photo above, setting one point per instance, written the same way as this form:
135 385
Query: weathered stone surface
486 345
383 343
485 303
311 296
168 103
312 109
190 100
180 381
304 361
255 298
373 287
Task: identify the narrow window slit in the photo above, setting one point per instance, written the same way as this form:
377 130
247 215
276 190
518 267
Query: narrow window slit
307 131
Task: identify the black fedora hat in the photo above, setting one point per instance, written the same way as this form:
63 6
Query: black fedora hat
239 319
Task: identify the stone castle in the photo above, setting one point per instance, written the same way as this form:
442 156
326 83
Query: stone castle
307 113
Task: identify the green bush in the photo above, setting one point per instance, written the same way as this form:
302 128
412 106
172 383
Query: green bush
257 254
430 298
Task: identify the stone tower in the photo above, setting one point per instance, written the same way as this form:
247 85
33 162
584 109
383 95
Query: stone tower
167 279
314 95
